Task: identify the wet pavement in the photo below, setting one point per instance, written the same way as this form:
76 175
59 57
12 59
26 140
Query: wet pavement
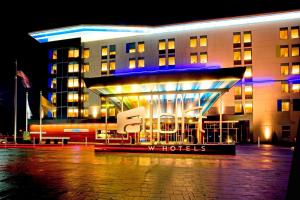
76 172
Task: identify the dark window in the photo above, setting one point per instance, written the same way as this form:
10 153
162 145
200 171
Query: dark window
286 131
296 104
130 47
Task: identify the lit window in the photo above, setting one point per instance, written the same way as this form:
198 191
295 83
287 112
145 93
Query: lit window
73 82
295 50
54 54
203 57
131 63
296 88
203 41
162 45
283 105
130 47
85 68
238 107
162 61
72 112
112 65
237 91
284 87
86 53
248 107
103 66
112 51
193 58
141 47
53 98
54 69
295 32
237 56
248 91
284 69
236 39
84 97
247 54
53 83
283 33
248 72
193 42
112 112
73 53
85 112
73 97
295 68
171 44
284 51
171 60
247 37
53 112
73 67
141 62
104 52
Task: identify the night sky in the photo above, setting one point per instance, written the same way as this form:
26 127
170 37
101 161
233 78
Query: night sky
27 17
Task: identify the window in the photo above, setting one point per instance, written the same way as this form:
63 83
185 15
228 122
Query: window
84 97
53 83
130 47
248 72
284 51
53 98
247 38
162 61
73 67
236 40
85 68
284 69
295 68
295 32
73 82
285 131
237 57
73 53
203 57
54 54
248 56
295 87
283 33
193 58
296 104
86 53
104 52
131 63
162 46
193 41
141 47
112 51
284 87
171 60
104 66
54 69
283 105
238 108
73 97
248 91
72 112
203 40
248 107
295 50
112 65
171 44
141 62
85 112
237 92
112 112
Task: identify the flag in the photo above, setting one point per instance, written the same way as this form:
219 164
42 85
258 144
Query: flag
25 79
29 113
46 106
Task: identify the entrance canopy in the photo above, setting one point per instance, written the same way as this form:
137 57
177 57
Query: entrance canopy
205 85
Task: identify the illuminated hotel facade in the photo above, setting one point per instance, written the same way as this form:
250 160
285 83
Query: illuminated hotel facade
84 59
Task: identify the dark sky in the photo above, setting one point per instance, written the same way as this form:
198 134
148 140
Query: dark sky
26 17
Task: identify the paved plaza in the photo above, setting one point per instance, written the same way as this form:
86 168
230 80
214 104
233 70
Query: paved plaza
77 172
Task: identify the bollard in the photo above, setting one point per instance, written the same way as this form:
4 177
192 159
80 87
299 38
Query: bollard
258 141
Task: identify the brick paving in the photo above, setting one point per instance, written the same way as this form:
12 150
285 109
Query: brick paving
79 173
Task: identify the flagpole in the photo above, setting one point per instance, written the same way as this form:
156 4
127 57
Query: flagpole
15 104
26 124
40 117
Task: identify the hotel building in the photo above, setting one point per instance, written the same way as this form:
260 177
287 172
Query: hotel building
92 71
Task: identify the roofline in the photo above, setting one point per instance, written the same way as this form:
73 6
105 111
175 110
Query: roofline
84 29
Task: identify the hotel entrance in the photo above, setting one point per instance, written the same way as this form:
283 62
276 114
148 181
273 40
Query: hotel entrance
161 107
